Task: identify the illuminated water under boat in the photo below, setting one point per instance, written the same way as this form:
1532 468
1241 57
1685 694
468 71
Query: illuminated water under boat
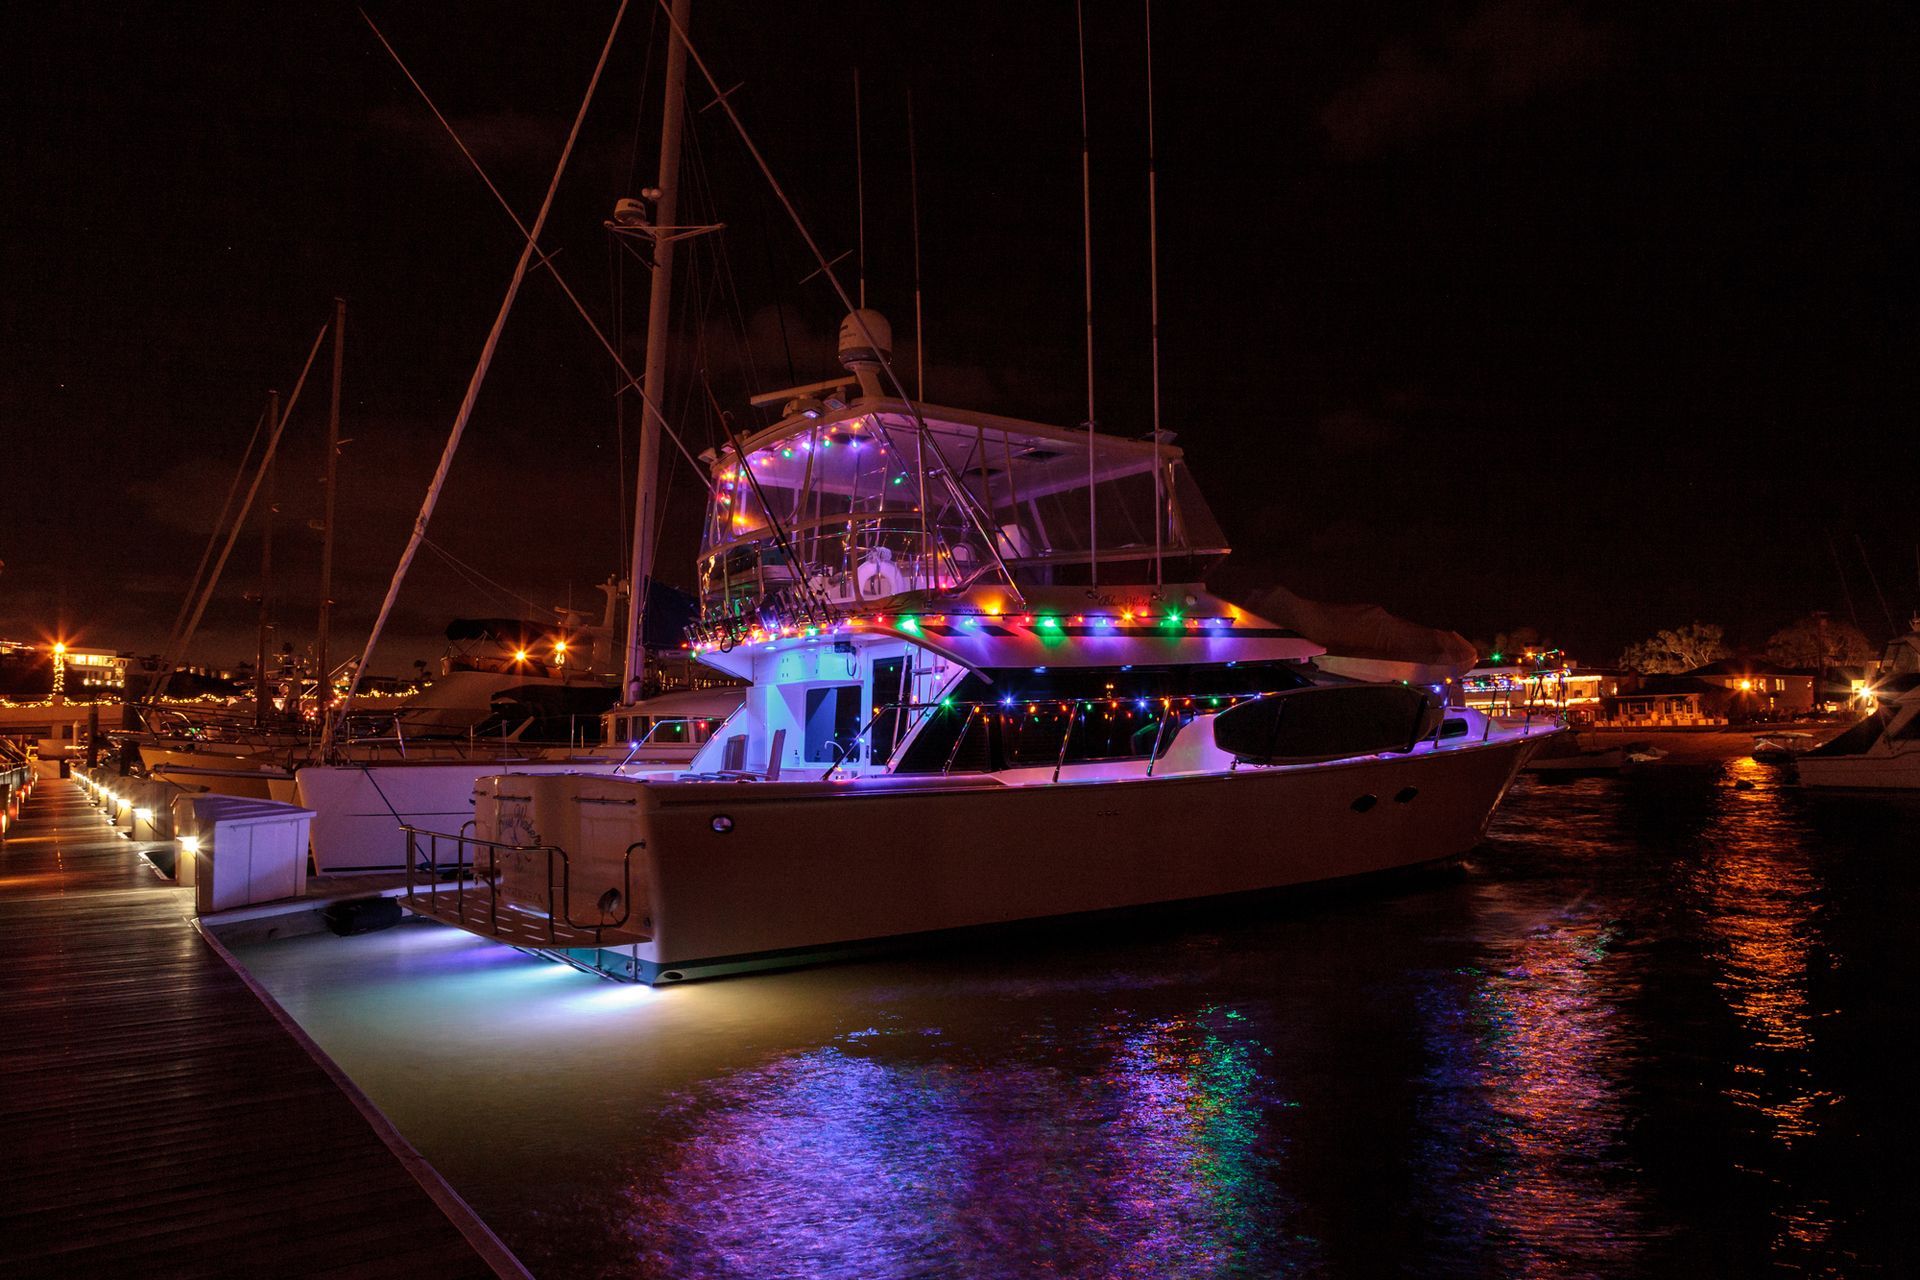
986 685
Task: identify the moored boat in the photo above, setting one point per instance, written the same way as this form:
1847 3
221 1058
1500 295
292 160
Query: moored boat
948 724
1882 750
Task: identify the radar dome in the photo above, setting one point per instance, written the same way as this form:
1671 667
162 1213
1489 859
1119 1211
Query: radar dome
865 338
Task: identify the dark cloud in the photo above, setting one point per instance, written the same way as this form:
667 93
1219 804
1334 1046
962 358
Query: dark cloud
1501 53
1355 431
510 139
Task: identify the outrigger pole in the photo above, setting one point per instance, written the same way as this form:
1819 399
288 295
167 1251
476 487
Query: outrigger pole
1153 254
1086 244
460 419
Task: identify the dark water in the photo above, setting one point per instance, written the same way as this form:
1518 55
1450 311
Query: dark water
1658 1026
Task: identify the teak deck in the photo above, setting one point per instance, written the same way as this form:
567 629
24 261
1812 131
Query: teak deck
157 1118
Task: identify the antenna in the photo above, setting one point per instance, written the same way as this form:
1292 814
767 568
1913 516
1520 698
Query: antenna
1086 242
860 185
1153 275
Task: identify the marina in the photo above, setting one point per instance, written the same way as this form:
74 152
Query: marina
842 645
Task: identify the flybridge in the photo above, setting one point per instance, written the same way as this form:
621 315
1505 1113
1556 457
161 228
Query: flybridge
834 511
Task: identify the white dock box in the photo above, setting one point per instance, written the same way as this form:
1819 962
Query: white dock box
243 851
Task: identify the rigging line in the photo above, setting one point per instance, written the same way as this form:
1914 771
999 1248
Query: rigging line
773 280
226 508
545 259
1153 275
723 259
1874 578
178 653
617 275
1845 590
962 497
496 598
640 101
1086 243
498 588
527 251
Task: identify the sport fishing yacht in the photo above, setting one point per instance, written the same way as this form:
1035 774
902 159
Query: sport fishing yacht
1882 751
986 684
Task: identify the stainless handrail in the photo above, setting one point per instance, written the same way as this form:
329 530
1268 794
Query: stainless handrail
493 847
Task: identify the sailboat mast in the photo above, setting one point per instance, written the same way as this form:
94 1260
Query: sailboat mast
646 514
262 696
323 685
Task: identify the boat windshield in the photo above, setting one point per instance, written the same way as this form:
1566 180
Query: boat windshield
1019 718
860 507
1902 658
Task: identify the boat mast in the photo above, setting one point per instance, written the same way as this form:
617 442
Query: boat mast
646 515
323 682
262 696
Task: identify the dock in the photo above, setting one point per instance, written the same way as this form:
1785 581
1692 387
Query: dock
161 1115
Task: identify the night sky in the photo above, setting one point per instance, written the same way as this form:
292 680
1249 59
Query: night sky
1594 318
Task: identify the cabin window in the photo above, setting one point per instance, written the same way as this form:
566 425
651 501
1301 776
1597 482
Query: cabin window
833 722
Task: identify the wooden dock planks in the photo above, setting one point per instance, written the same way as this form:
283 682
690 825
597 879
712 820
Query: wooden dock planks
156 1118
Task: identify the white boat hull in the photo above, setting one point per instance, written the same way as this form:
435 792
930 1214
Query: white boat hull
698 879
1882 771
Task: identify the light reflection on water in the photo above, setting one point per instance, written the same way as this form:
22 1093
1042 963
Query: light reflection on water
871 1158
1608 1048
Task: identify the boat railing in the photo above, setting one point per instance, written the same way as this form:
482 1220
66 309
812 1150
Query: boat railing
836 563
474 900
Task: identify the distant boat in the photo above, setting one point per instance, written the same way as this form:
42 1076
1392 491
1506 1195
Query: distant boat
1882 751
1775 748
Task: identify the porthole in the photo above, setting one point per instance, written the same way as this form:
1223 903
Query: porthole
1405 794
722 823
1365 803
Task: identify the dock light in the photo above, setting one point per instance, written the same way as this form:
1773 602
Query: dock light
559 646
143 815
189 844
59 648
1746 686
519 655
